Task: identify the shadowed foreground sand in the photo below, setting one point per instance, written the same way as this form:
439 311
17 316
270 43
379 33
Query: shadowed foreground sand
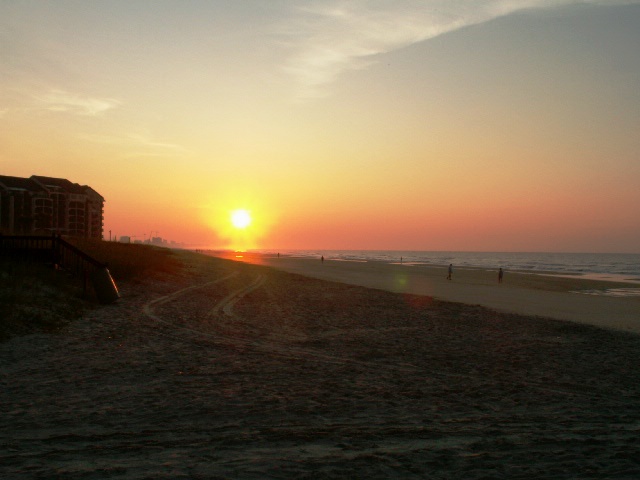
241 371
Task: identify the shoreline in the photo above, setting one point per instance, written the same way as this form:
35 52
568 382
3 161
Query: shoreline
534 294
580 272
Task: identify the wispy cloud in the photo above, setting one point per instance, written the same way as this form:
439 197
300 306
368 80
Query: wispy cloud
62 101
328 38
137 145
153 148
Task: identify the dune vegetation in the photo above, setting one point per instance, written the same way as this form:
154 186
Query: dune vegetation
36 297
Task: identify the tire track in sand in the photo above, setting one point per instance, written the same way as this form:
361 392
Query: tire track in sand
147 309
289 351
227 303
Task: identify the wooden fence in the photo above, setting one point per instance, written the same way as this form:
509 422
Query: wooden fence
61 254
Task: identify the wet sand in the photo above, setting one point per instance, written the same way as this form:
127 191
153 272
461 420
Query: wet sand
234 370
549 295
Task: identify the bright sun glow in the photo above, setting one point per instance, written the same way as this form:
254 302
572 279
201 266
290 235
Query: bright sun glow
240 218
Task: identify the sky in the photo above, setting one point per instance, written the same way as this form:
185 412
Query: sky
498 125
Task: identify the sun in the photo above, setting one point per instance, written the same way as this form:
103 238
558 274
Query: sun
240 218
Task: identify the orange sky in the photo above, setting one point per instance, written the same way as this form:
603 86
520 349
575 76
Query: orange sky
419 125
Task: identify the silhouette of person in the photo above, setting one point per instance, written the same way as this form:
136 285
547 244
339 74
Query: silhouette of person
450 271
322 259
500 275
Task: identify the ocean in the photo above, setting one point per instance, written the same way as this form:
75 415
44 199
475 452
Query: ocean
605 266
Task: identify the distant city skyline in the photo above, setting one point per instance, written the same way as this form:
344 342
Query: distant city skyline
494 125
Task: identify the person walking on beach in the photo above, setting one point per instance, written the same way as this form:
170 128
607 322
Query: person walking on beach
450 271
500 275
322 259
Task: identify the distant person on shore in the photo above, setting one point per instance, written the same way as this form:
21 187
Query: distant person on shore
322 259
450 271
500 275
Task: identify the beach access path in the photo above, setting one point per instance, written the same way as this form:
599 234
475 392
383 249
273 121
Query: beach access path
569 298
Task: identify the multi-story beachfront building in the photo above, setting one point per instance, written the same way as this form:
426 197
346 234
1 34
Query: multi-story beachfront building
39 205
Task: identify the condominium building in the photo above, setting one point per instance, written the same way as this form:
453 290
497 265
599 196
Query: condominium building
41 205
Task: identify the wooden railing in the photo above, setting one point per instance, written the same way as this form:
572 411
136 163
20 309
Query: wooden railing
61 254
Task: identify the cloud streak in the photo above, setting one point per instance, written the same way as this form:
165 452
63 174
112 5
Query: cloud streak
62 101
330 38
152 148
138 146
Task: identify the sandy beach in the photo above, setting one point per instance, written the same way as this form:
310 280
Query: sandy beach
235 369
572 298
